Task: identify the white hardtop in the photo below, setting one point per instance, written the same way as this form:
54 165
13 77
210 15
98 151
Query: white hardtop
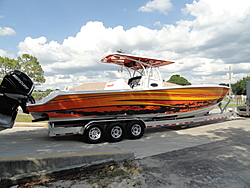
143 71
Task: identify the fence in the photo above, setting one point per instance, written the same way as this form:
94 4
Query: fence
240 99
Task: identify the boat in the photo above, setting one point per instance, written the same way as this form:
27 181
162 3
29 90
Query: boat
142 96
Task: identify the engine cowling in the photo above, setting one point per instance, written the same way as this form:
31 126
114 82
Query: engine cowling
15 90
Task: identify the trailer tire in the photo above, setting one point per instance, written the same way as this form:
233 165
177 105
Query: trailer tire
115 132
135 129
93 134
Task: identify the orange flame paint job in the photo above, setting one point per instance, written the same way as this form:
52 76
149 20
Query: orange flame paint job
132 102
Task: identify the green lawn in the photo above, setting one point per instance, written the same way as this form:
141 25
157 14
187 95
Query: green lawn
24 118
231 105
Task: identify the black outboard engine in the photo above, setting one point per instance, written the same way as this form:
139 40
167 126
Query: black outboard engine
15 90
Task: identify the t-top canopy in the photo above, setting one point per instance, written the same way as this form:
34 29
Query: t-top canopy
134 62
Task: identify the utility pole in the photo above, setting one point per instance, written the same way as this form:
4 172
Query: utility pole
230 76
230 80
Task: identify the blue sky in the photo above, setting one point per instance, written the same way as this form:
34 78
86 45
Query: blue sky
68 37
59 19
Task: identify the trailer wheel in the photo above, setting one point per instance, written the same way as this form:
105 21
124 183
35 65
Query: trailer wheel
115 132
135 129
94 134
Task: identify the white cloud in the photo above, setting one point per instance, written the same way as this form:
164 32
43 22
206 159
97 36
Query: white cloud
217 37
158 24
163 6
5 54
6 31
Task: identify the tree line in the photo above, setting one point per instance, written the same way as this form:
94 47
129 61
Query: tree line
25 63
238 88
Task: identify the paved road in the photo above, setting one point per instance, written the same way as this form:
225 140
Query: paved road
34 141
205 156
221 159
224 163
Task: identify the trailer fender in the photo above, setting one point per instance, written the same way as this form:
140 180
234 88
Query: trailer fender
89 124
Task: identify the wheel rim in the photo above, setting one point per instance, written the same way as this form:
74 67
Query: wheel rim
136 130
95 133
116 132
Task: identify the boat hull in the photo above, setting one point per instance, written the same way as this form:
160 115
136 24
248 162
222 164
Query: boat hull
137 103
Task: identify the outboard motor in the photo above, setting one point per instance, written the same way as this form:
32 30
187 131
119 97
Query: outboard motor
15 90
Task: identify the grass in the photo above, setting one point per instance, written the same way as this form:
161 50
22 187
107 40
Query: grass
27 118
230 105
233 103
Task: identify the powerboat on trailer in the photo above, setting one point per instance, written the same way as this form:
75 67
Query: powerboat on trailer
142 96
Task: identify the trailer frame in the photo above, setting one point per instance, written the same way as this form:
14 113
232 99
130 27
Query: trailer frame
115 130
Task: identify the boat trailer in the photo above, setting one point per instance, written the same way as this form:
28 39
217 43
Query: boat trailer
95 131
16 89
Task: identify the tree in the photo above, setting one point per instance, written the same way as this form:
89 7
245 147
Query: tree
239 88
177 79
26 63
38 95
31 66
7 65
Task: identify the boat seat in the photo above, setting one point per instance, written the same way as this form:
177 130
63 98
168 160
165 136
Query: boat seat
116 84
135 81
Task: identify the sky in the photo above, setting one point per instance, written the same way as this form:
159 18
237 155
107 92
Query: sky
205 38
